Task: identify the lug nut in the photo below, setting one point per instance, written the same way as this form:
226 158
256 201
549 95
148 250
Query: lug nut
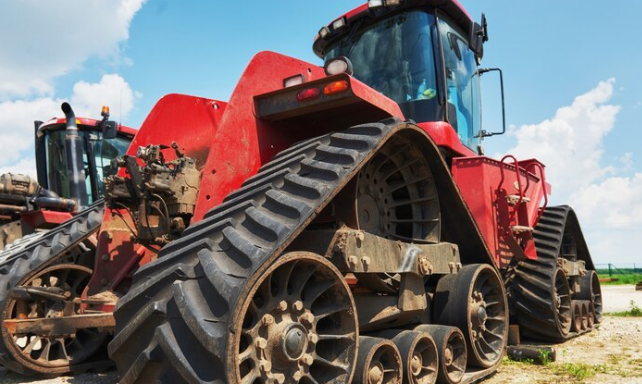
366 261
267 320
283 306
352 261
297 376
307 318
313 338
307 360
297 305
265 366
260 343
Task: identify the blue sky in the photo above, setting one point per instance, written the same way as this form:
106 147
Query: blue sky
572 72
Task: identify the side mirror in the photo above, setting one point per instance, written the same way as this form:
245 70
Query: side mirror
478 36
110 129
480 72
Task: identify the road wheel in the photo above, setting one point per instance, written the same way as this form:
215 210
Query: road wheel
299 325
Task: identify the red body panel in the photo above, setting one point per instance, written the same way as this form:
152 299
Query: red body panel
485 184
43 219
445 135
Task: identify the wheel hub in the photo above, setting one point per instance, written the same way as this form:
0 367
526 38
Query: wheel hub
448 355
295 341
416 364
375 375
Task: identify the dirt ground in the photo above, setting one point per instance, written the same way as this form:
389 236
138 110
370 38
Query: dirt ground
611 354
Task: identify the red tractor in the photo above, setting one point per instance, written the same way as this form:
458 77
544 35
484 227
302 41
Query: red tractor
326 225
65 205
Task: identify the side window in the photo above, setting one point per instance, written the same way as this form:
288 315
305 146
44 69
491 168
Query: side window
462 81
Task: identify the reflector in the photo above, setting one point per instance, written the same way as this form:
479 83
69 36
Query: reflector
336 87
375 3
308 94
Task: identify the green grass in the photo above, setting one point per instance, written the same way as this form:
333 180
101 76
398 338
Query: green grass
625 276
634 311
579 371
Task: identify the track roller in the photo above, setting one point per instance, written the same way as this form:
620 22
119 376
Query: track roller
584 308
590 290
474 300
379 362
451 348
418 354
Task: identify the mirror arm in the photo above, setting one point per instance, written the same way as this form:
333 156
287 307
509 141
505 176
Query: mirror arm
481 71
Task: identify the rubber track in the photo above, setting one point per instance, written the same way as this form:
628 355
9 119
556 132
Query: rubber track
533 305
174 324
36 251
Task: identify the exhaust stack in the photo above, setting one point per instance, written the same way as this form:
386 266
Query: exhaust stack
75 167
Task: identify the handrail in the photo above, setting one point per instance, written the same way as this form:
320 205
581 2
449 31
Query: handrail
519 183
541 170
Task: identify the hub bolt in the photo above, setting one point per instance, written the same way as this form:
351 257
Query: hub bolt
297 305
265 366
260 343
307 318
297 376
267 320
283 306
313 338
307 360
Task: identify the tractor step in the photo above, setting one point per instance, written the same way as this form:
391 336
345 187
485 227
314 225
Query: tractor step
517 229
514 199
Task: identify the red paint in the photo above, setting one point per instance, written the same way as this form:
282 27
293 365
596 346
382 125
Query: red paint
445 135
479 179
43 219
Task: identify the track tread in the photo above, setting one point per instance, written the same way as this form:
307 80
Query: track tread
222 257
35 252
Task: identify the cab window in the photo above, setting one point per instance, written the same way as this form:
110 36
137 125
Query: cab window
462 81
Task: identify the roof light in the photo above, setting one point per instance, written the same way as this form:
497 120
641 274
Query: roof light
104 111
392 2
339 23
336 87
375 3
308 94
294 80
338 65
324 32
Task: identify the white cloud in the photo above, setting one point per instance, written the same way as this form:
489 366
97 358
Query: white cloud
42 40
606 197
571 142
16 117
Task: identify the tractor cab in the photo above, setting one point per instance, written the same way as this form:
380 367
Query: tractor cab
98 148
421 55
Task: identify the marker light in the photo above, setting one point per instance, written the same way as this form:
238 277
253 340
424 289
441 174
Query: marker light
338 65
308 94
324 32
339 23
392 2
336 87
375 3
294 80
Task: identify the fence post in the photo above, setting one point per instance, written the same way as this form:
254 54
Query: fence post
610 272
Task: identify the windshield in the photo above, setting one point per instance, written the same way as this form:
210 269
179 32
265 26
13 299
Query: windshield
396 57
102 152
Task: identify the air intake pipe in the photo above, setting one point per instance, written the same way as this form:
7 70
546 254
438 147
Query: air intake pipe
74 152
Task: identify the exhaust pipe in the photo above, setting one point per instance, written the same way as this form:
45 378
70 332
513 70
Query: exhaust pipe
74 150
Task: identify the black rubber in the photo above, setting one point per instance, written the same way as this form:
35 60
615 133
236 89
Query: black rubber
556 235
177 323
34 252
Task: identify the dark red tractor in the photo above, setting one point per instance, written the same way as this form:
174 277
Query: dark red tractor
325 225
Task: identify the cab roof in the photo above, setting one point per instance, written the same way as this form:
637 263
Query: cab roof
452 8
85 124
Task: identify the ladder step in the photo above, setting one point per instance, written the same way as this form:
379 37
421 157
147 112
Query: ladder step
513 199
521 229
